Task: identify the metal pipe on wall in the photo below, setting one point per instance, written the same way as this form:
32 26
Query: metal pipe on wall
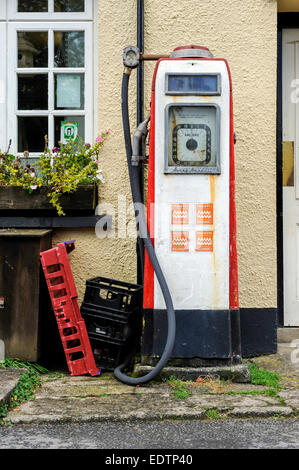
140 71
140 113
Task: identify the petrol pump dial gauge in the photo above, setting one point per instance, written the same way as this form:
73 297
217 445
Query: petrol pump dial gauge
191 144
192 136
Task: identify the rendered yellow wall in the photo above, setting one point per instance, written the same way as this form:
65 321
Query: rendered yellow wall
245 34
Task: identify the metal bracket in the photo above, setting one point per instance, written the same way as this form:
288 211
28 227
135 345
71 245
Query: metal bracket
136 159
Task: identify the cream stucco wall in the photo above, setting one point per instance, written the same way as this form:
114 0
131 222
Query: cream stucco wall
244 32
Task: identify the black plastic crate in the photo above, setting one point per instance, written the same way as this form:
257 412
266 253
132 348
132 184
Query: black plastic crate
113 295
106 356
110 354
112 311
106 326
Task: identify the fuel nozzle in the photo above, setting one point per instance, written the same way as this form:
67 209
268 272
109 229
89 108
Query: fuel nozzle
139 136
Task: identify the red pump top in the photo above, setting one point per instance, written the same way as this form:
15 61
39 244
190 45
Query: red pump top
191 51
190 47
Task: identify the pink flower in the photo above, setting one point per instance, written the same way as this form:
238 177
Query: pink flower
107 131
32 174
99 139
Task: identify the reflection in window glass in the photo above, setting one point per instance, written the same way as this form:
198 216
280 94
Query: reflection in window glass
32 162
69 49
31 133
73 119
32 5
32 91
32 49
69 91
69 5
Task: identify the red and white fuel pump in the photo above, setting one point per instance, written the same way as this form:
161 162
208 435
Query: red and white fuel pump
190 271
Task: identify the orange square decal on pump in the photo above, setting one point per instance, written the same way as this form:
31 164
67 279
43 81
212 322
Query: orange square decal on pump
180 241
205 241
180 214
204 214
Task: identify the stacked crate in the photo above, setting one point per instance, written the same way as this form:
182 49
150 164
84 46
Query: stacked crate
112 311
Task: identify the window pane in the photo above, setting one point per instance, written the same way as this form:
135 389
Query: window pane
69 49
68 5
69 91
32 5
32 162
193 83
32 49
32 91
31 133
73 119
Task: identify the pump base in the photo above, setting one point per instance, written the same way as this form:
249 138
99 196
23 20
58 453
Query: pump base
202 336
236 373
193 362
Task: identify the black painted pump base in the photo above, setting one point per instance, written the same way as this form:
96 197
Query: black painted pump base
192 362
203 337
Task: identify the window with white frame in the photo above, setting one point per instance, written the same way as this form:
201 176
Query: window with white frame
46 49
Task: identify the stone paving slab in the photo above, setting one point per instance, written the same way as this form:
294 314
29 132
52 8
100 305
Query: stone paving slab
258 412
72 387
9 379
85 399
63 398
112 408
227 402
138 407
291 398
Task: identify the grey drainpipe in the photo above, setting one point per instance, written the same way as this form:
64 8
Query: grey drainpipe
140 71
140 112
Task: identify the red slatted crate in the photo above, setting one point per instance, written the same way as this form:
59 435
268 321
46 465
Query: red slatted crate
63 294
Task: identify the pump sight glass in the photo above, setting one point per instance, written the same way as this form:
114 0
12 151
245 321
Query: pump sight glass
131 57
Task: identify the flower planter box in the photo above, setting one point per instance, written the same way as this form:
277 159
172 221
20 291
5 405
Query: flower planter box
15 198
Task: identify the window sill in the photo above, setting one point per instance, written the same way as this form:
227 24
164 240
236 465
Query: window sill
49 222
14 198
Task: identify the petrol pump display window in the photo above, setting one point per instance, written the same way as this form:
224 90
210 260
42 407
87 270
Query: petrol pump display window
193 134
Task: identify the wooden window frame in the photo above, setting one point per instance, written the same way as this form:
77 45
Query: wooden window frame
13 13
13 71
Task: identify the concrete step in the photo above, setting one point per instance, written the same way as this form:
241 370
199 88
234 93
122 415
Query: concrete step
9 379
287 334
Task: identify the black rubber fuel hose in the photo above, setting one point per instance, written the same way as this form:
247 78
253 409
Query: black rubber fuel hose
144 235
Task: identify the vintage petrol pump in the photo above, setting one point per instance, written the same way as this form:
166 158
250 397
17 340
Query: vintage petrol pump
190 269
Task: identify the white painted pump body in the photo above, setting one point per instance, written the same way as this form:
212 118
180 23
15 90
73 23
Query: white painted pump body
197 279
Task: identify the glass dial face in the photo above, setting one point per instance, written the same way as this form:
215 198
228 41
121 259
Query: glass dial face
192 136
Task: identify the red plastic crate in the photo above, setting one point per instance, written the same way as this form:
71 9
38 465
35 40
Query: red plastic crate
63 294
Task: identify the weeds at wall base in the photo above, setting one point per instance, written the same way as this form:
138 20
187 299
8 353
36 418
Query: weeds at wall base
29 381
179 388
